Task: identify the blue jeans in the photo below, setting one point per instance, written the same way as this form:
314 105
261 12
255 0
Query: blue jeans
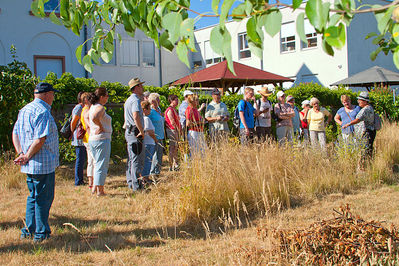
135 163
101 151
81 156
38 204
149 154
157 158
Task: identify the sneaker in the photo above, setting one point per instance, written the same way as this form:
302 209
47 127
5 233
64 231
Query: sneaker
25 234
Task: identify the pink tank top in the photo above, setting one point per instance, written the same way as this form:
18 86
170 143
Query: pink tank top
175 118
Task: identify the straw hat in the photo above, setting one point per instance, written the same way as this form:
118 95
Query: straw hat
135 82
265 92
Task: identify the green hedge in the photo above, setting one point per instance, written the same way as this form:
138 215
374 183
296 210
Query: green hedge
17 83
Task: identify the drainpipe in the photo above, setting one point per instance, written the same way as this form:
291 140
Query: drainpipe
85 47
160 63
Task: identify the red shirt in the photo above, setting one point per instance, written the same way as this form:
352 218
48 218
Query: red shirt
175 117
194 116
304 125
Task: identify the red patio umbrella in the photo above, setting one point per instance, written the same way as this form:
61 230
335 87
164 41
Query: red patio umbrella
220 76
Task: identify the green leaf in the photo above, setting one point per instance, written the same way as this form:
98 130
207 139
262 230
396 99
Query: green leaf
187 27
54 19
40 8
78 53
105 55
300 27
317 12
395 33
238 13
334 19
109 42
335 36
171 22
119 37
327 48
224 11
34 8
296 4
227 50
255 49
248 8
216 40
164 41
396 58
271 22
251 31
215 6
75 29
371 34
182 53
87 64
64 9
383 18
94 56
375 53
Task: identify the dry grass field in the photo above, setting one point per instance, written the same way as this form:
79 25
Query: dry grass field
207 213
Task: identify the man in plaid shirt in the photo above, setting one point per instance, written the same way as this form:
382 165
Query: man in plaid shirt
35 138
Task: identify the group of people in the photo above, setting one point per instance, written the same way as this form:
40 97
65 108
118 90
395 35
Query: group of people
35 135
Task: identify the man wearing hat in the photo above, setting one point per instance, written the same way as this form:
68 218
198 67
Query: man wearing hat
263 123
35 138
134 133
217 115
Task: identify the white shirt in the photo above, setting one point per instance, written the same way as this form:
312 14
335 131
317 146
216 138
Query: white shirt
264 119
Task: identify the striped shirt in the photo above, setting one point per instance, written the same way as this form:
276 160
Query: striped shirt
34 122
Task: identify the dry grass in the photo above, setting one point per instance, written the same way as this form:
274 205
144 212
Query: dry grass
177 221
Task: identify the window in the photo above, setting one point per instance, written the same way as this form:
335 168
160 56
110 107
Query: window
210 56
130 52
287 37
311 36
48 63
52 5
148 53
197 57
243 47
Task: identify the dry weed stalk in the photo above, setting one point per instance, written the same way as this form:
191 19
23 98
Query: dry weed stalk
343 239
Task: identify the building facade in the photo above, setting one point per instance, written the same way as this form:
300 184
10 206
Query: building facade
285 54
43 45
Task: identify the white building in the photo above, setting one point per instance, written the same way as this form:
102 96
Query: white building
285 54
44 46
139 57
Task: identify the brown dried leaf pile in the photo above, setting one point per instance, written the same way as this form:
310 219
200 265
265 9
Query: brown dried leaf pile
344 239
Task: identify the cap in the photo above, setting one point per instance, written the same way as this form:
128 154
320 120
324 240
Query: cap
305 102
280 93
215 91
44 87
135 82
187 92
364 95
290 98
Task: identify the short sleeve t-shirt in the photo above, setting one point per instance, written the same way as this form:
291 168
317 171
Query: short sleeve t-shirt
159 123
264 119
347 117
214 110
366 117
249 110
132 105
316 119
148 126
77 110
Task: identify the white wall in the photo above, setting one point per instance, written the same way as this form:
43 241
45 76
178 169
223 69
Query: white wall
35 36
172 68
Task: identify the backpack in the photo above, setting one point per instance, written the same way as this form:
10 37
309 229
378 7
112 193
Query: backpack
236 118
377 122
65 130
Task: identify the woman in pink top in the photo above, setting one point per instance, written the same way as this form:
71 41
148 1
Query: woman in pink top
173 131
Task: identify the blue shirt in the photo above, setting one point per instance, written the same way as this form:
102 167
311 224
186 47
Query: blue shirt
34 122
158 122
182 113
346 120
296 123
77 110
249 111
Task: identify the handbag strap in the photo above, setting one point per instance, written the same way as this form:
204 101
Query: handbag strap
348 115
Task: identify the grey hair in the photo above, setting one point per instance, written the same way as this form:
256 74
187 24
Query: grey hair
313 101
153 96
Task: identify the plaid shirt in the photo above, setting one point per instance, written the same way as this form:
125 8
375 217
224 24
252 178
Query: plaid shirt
35 121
